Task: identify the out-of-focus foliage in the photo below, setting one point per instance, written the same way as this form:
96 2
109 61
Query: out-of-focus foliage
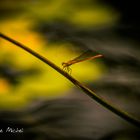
84 13
11 8
61 30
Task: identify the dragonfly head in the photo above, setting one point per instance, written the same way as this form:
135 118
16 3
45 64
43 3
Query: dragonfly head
64 65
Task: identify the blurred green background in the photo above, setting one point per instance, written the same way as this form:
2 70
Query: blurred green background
46 105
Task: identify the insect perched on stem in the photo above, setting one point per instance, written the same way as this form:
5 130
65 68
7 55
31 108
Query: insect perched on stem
88 55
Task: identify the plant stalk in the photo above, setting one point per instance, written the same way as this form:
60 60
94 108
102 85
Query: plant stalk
86 90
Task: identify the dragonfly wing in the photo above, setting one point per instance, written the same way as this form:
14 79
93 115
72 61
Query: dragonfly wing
84 55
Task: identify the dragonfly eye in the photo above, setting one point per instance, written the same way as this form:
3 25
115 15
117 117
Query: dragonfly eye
64 64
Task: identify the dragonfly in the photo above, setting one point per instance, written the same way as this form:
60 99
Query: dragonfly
87 55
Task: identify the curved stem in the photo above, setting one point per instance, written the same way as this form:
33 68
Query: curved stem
86 90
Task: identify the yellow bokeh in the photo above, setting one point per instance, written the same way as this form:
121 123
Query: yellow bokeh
92 17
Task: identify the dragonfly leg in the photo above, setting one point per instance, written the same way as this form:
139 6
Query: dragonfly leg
67 69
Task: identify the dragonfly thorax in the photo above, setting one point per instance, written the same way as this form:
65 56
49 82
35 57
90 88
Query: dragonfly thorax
66 64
